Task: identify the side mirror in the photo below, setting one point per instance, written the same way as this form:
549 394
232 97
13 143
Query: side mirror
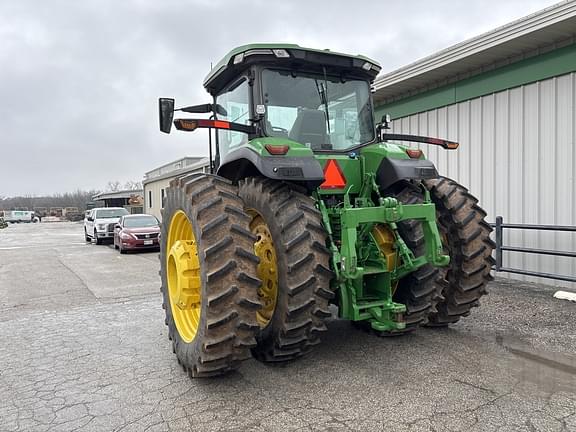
117 227
166 112
90 219
386 121
384 124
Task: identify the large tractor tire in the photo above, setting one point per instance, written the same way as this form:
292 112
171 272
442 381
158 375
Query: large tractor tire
208 272
294 268
417 290
466 238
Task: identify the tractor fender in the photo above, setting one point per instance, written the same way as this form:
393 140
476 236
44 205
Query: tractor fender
243 162
392 171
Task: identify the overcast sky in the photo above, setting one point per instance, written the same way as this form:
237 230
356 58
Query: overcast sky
79 79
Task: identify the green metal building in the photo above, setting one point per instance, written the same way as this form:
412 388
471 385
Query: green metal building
509 97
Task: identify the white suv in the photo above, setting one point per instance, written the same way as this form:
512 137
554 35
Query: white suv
99 223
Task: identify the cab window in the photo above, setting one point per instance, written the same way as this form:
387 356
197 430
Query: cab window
236 103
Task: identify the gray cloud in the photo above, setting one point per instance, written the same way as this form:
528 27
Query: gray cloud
79 79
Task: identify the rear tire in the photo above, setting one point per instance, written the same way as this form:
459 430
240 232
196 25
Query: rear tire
466 237
303 269
86 236
227 285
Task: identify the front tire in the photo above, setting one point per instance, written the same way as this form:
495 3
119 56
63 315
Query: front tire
208 272
96 239
294 268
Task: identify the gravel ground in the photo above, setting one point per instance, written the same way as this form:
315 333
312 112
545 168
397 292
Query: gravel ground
84 347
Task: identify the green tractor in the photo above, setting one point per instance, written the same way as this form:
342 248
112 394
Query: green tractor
308 204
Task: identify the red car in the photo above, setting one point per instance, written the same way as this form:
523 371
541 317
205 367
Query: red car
138 231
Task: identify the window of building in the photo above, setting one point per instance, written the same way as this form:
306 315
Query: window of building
150 199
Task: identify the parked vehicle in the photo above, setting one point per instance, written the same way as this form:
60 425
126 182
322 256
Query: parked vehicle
100 222
17 216
56 212
74 216
135 232
41 211
69 210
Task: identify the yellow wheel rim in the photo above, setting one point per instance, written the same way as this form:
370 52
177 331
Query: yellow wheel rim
183 276
385 241
267 269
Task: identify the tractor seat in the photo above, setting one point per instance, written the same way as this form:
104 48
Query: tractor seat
310 129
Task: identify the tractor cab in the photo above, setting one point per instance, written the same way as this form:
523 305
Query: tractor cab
318 99
284 100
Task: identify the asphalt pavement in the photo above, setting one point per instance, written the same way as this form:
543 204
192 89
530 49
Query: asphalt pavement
83 347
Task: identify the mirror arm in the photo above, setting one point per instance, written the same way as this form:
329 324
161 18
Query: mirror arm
190 125
196 109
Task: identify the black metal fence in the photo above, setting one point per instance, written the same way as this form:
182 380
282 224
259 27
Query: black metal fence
500 247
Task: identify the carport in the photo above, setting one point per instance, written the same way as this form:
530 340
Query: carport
131 200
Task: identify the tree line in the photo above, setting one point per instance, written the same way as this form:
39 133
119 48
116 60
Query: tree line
77 199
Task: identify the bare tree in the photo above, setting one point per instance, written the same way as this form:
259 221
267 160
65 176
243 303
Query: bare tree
132 185
113 186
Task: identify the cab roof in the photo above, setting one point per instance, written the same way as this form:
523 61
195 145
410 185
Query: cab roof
288 55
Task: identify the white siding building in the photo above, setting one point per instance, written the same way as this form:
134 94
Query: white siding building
509 98
157 181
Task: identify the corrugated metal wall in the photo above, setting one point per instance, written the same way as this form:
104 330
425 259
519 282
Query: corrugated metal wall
518 156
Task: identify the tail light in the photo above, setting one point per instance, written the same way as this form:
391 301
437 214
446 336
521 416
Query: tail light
414 153
277 149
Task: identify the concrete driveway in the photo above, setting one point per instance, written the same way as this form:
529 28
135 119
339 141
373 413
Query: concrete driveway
84 347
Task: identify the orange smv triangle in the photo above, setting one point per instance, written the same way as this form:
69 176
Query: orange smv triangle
333 177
